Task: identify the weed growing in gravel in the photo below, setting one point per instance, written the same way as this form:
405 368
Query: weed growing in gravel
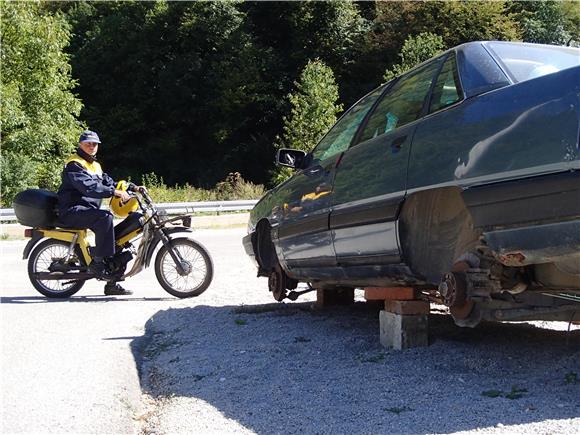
492 393
375 359
159 345
240 322
397 410
571 378
301 339
515 393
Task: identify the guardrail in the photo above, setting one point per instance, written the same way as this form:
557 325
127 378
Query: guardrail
7 214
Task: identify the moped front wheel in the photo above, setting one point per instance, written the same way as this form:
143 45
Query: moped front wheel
192 277
42 259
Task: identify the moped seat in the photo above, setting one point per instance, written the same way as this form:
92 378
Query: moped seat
68 227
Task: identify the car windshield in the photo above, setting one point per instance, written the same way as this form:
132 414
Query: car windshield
528 61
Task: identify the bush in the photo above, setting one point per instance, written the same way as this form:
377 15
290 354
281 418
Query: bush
18 173
232 188
416 49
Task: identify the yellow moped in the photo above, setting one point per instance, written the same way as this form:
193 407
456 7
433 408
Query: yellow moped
58 257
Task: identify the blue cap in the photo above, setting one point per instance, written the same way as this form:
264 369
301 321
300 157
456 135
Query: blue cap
89 136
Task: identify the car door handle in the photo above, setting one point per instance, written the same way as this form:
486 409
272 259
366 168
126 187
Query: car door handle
315 170
398 142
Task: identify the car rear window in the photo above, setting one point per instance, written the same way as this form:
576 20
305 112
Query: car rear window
528 61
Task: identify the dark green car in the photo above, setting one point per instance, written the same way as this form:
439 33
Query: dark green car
459 178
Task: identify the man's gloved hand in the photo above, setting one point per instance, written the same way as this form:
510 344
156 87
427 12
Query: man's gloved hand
134 188
123 195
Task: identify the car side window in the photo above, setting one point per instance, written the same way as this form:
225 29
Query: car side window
447 89
340 135
402 104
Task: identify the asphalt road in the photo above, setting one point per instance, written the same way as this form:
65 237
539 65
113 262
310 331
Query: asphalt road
67 365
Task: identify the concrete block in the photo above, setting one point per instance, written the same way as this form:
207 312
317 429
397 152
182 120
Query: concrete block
403 331
393 293
328 297
407 307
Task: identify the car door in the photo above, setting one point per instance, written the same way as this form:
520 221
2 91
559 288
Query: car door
370 179
303 234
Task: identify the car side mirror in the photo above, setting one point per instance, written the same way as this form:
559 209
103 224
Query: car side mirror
290 158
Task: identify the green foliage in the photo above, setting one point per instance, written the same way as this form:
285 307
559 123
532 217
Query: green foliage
492 393
416 49
515 393
547 22
314 109
195 91
38 116
571 378
398 409
18 173
456 22
234 187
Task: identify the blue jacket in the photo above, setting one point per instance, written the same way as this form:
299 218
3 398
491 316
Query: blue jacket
84 184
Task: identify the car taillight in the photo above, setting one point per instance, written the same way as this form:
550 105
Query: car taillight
28 232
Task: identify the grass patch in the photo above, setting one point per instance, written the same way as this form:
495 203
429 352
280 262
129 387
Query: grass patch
234 187
398 410
492 393
240 322
375 359
571 378
515 393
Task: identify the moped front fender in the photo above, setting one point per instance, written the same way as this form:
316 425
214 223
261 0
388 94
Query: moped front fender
157 239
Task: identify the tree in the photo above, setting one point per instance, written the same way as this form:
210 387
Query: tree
313 110
456 22
547 22
175 88
416 49
39 111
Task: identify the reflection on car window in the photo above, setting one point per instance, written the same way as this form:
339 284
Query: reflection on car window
446 89
339 137
527 61
402 104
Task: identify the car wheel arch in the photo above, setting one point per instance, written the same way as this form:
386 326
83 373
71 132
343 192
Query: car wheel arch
264 247
436 229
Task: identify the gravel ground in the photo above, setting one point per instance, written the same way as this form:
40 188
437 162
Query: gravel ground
234 362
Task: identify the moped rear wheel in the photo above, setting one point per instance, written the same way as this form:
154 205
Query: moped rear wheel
195 275
42 257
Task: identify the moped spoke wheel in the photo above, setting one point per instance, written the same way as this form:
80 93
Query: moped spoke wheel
194 274
45 255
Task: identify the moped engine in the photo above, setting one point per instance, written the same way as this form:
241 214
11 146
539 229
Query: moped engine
119 261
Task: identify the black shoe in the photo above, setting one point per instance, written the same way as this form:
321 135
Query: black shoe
112 289
99 268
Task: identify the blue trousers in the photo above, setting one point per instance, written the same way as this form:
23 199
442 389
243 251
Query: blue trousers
98 221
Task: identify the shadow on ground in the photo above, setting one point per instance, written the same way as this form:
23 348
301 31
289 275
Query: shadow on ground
290 368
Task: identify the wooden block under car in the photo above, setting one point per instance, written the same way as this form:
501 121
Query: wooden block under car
389 293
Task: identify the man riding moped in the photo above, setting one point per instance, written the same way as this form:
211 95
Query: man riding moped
84 185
